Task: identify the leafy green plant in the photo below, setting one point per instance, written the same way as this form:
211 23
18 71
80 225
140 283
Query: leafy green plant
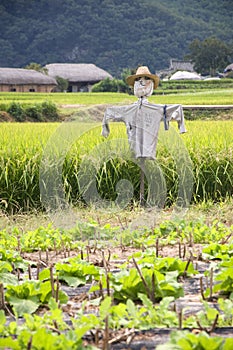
226 316
44 238
148 260
225 281
183 340
6 276
24 298
210 317
9 239
76 273
218 251
44 333
127 284
28 296
14 258
145 316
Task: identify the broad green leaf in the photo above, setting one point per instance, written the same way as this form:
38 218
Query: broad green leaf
5 267
81 331
145 300
45 293
44 275
8 278
73 281
132 310
210 343
53 305
23 306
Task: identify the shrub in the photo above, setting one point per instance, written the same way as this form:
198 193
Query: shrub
34 112
49 110
16 110
108 85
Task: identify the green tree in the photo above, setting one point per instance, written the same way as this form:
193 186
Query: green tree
210 55
37 67
62 83
106 85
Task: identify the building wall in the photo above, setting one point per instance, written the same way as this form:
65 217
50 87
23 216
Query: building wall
26 88
79 87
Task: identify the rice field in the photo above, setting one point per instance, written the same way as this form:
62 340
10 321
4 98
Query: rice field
207 146
205 97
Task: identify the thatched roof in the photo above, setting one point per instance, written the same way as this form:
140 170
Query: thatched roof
19 76
77 72
182 65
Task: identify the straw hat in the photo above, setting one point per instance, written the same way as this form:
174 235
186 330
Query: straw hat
143 71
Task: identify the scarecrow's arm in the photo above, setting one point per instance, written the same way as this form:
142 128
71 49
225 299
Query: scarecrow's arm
174 112
116 114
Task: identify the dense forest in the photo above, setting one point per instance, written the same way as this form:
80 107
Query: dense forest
112 34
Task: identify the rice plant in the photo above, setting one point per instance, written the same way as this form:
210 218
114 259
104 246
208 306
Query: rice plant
209 145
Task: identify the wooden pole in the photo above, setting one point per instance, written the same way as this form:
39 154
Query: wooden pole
142 182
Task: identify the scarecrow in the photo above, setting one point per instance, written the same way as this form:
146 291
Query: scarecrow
143 119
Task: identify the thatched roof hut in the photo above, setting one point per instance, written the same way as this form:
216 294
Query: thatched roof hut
81 76
25 80
176 65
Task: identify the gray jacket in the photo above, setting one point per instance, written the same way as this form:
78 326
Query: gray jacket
142 120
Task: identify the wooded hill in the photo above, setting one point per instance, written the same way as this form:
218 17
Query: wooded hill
112 34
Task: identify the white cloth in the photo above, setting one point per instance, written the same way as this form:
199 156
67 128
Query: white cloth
143 87
142 120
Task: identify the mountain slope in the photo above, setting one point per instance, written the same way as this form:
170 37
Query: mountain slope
112 34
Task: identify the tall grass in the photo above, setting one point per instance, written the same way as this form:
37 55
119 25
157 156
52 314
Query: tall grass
209 145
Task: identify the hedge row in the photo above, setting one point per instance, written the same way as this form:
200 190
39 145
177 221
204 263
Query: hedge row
38 112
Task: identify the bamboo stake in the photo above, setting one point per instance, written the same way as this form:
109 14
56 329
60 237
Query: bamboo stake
201 288
52 281
179 246
142 182
106 335
2 298
180 318
29 272
57 289
211 281
157 247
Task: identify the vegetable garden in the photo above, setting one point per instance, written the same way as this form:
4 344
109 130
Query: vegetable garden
110 282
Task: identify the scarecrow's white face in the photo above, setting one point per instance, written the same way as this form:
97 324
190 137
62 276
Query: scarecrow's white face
143 86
